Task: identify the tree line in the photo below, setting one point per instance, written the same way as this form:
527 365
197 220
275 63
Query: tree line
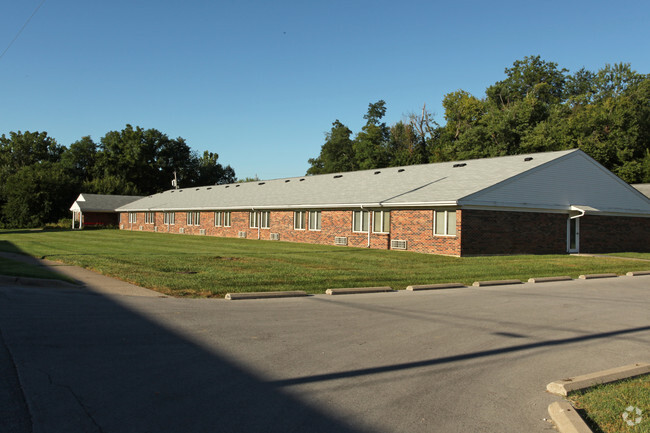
538 107
41 178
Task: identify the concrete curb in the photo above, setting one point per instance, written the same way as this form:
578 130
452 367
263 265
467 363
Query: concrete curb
564 415
265 295
565 386
37 282
637 273
591 276
566 418
495 283
549 279
435 286
356 290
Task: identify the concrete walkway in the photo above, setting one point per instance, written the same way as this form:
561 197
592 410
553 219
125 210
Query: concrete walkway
85 278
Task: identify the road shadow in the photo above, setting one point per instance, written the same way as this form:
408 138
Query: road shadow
87 363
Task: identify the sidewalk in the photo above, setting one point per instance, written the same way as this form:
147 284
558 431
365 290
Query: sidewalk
87 279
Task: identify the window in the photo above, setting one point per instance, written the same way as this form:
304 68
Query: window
314 220
299 220
360 221
133 217
149 217
253 220
217 219
194 218
169 217
444 222
265 219
226 219
381 221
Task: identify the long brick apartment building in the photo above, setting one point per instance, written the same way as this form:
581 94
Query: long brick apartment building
544 203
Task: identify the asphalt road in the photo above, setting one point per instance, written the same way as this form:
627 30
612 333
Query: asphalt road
457 360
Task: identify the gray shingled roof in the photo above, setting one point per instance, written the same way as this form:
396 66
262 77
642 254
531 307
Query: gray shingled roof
102 203
418 185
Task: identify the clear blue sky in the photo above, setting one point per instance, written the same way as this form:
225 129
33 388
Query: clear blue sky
260 82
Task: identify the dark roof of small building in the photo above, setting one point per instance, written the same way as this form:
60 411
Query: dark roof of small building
101 202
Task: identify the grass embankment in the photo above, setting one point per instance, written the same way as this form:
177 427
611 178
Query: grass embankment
206 266
603 407
19 269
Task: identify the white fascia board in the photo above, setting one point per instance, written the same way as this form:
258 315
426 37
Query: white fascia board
75 207
302 206
559 209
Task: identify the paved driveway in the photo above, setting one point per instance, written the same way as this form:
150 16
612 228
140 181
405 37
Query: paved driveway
458 360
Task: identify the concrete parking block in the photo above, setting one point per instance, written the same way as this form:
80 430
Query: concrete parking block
435 286
495 283
357 290
637 273
592 276
565 386
549 279
566 418
263 295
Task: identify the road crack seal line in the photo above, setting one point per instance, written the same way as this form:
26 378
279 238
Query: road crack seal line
77 399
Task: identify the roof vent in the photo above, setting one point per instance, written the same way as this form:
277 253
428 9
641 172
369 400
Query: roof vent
335 177
209 187
377 172
302 180
261 183
462 164
198 189
529 158
401 170
237 186
227 186
288 180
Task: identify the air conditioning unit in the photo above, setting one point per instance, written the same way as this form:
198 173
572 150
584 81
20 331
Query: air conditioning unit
202 231
397 244
275 236
181 230
155 229
340 240
242 235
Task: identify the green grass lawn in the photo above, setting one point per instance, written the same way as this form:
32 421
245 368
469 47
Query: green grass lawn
645 256
18 269
603 406
183 265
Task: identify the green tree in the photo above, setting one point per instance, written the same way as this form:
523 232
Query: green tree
37 194
337 154
371 144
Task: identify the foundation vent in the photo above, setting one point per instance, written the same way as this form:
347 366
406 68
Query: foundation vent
275 236
202 231
141 228
340 240
155 228
181 230
397 244
241 235
121 226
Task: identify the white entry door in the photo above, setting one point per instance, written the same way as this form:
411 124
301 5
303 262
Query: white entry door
573 235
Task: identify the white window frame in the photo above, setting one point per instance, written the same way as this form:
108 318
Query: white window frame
193 218
315 220
197 218
226 219
169 218
150 217
253 220
299 219
265 219
446 215
133 217
217 218
382 217
365 216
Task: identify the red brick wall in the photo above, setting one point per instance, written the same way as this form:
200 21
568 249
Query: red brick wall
600 234
100 218
500 232
416 227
